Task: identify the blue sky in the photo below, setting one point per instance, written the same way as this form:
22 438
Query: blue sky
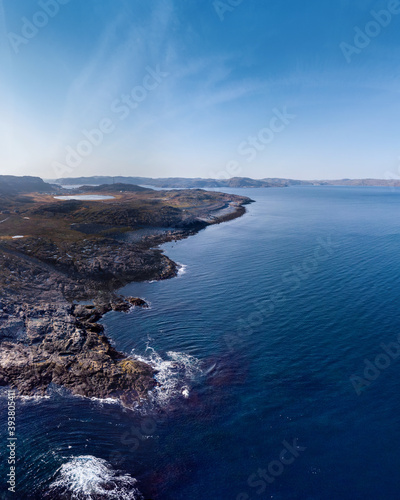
211 88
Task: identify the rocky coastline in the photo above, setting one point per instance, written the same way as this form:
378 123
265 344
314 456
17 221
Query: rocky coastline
54 291
65 345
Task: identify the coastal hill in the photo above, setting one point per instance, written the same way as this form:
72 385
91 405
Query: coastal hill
115 188
10 184
177 182
234 182
55 253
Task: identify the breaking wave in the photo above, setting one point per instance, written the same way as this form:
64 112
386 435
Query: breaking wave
181 269
88 477
175 375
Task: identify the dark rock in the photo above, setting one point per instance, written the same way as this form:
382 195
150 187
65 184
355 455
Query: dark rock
72 353
46 337
136 301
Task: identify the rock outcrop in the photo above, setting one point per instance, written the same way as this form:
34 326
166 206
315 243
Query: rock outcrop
62 257
66 346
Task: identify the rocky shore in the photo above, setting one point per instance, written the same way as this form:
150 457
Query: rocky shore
66 346
48 338
56 286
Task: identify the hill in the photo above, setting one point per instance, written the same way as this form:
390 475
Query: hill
115 188
10 184
234 182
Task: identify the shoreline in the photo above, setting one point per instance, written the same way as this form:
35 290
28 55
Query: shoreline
54 340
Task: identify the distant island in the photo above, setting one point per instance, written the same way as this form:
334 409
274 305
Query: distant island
234 182
58 249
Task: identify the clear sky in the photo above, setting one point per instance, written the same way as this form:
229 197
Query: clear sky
200 88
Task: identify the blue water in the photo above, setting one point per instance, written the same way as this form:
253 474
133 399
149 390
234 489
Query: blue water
261 334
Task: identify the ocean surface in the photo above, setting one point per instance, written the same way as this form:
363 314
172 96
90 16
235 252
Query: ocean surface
272 345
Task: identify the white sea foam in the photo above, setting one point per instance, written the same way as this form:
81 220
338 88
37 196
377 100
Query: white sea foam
33 398
175 375
107 401
24 399
185 392
182 268
89 477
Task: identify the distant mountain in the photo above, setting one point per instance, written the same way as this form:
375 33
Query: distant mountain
11 185
234 182
360 182
179 182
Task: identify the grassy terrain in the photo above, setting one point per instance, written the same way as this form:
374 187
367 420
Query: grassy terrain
68 254
41 215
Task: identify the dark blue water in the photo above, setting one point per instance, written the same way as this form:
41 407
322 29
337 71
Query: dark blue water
259 339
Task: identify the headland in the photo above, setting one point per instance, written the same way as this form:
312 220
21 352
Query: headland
61 262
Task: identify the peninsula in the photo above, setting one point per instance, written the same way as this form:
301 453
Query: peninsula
63 255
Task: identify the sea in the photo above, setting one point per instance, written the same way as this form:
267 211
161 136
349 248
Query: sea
277 350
